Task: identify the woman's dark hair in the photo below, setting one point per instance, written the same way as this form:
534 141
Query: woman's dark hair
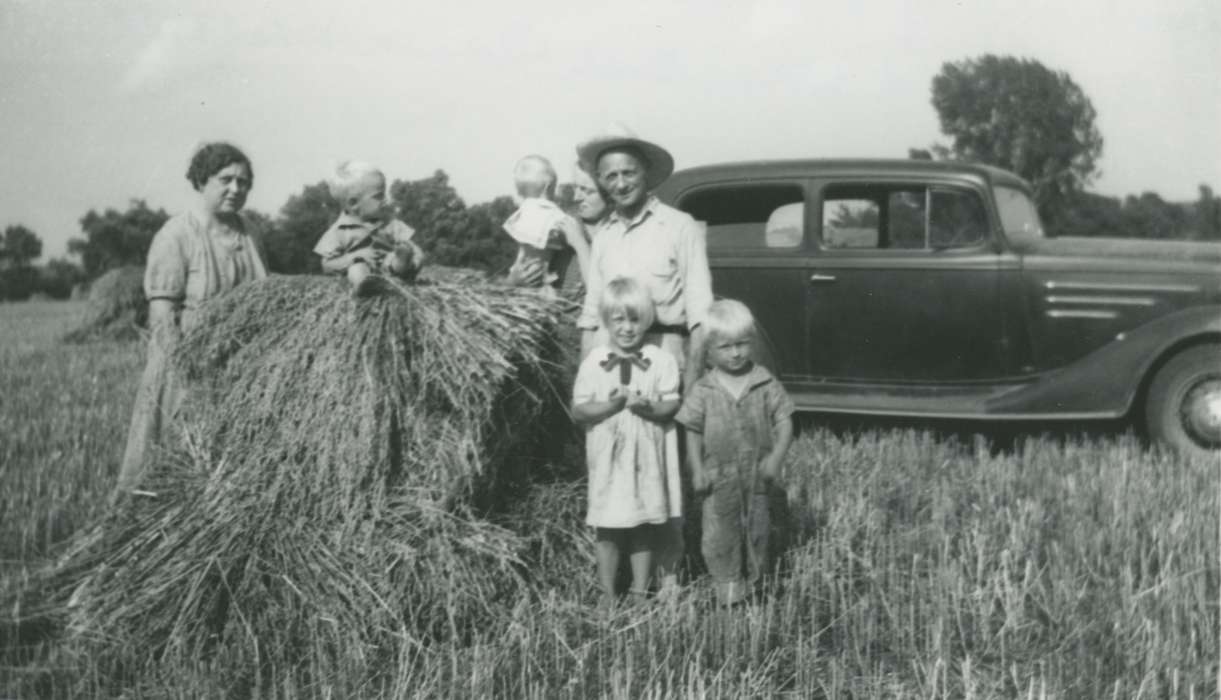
211 158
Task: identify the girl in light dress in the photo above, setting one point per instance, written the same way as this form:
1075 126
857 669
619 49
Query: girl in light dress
625 395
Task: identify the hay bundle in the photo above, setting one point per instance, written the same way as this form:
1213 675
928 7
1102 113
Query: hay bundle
323 516
116 309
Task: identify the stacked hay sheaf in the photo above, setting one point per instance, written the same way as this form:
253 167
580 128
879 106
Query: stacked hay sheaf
326 511
116 308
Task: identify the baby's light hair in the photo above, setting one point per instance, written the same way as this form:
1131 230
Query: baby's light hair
728 318
627 295
348 175
534 176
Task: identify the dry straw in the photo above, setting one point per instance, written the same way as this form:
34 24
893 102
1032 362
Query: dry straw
116 309
322 516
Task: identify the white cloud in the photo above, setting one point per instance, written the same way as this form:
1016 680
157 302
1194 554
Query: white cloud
157 60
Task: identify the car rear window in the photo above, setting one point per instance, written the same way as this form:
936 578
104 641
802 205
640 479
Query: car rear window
750 217
1019 216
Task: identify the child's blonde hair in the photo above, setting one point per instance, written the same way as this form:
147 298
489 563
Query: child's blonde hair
728 318
534 176
345 184
629 296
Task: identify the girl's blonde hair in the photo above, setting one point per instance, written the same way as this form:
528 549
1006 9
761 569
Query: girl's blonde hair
627 295
729 318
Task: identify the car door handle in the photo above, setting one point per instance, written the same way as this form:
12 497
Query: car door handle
817 278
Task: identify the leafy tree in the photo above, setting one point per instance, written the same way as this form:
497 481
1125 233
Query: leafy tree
433 208
17 283
21 245
490 247
1150 216
1019 115
447 230
289 241
58 277
1090 214
1143 216
1208 215
114 239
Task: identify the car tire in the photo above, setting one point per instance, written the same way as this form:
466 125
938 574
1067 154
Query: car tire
1183 406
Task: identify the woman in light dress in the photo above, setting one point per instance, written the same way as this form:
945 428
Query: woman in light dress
198 254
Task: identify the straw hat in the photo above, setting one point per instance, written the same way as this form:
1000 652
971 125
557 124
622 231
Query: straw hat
660 163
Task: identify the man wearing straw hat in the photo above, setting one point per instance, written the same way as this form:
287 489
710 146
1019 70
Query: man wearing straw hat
661 247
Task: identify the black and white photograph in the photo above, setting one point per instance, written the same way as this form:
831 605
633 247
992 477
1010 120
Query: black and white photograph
738 349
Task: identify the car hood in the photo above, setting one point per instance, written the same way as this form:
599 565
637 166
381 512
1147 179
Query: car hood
1143 249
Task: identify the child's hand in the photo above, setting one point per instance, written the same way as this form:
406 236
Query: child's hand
371 256
639 403
619 397
769 471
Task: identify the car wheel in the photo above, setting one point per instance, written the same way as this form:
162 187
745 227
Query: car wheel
1183 408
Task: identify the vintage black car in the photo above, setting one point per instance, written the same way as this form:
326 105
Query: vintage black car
922 288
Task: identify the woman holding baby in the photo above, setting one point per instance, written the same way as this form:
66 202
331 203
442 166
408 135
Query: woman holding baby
567 267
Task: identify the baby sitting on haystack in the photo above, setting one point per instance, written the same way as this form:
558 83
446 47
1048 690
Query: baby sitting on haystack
366 241
537 225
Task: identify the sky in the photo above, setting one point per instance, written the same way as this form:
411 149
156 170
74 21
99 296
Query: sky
104 102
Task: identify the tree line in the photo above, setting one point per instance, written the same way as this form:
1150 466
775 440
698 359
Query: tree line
998 110
452 233
1020 115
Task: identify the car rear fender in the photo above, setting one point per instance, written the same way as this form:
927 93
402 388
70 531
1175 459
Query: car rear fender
1137 399
1095 386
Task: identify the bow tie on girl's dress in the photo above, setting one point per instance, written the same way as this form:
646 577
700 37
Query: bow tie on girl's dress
624 362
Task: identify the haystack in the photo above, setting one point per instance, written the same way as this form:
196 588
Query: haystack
116 308
325 510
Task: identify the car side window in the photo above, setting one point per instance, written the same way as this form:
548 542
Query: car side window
901 217
749 216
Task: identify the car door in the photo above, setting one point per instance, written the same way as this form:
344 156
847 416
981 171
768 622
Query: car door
758 253
908 284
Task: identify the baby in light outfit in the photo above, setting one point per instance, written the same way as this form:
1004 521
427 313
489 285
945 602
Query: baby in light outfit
536 223
367 241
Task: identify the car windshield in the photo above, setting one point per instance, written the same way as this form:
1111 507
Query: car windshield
1018 215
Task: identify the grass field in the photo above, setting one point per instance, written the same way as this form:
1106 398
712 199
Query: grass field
914 565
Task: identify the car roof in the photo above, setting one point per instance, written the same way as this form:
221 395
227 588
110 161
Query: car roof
847 166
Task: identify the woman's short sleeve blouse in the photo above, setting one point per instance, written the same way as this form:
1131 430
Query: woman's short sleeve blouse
188 263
